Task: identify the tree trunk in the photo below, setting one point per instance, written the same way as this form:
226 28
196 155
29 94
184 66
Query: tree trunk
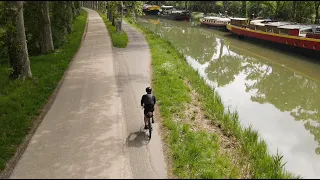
16 40
294 10
73 9
45 35
69 16
77 7
317 11
244 8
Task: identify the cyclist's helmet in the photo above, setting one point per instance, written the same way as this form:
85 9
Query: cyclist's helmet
148 90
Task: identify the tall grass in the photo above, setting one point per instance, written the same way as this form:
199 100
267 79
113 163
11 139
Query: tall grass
195 154
22 101
119 40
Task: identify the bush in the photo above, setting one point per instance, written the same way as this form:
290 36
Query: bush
119 40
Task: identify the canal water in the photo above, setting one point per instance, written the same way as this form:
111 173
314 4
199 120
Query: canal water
276 92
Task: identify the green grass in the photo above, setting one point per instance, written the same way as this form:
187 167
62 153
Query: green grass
22 101
195 154
119 40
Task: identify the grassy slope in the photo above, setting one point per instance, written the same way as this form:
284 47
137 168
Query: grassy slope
196 154
118 40
22 101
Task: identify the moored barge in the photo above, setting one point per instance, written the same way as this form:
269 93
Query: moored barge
218 22
151 9
286 33
169 12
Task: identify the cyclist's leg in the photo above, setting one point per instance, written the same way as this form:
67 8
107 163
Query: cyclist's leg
145 119
152 110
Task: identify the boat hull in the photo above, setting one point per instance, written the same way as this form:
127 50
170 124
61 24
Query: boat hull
300 42
217 26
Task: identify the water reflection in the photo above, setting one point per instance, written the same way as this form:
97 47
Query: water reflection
269 89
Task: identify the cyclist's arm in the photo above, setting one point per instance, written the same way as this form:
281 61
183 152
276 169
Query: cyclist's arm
154 99
142 100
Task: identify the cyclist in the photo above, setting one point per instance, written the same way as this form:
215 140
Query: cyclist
147 102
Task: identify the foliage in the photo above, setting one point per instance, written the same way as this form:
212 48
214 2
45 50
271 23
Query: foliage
119 40
299 11
20 101
59 21
133 8
31 22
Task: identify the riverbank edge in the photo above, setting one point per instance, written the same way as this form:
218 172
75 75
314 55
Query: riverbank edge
263 165
118 40
40 114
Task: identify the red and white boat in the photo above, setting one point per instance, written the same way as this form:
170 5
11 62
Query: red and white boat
215 21
288 33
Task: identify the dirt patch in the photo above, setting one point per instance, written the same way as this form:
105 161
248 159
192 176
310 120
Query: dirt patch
194 115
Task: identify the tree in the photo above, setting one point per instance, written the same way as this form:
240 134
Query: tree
115 10
244 8
77 5
69 16
16 40
62 18
316 8
45 35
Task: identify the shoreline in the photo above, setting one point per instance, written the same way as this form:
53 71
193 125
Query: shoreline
262 164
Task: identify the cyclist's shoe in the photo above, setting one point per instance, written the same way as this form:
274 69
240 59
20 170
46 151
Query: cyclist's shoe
152 120
146 127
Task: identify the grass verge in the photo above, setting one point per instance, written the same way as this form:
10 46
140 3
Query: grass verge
22 101
197 153
118 40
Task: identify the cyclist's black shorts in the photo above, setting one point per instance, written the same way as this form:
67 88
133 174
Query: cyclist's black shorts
148 108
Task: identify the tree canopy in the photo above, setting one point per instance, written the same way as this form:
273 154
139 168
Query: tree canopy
298 11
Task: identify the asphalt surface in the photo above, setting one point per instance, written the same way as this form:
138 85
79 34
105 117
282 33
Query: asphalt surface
94 128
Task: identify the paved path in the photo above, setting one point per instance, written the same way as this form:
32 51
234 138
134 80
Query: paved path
93 127
134 62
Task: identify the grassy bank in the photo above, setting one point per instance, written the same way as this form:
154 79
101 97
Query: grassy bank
198 152
118 40
22 101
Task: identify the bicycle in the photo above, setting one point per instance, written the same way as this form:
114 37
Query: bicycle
150 117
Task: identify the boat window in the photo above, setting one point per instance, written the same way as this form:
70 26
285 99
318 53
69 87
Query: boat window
305 31
283 31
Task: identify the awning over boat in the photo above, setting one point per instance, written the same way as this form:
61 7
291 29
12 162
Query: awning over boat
166 7
276 24
296 26
240 19
217 18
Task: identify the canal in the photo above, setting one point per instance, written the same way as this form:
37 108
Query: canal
276 92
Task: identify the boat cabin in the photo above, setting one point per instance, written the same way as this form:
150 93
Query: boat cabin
239 21
260 24
166 9
215 20
315 34
273 26
295 30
